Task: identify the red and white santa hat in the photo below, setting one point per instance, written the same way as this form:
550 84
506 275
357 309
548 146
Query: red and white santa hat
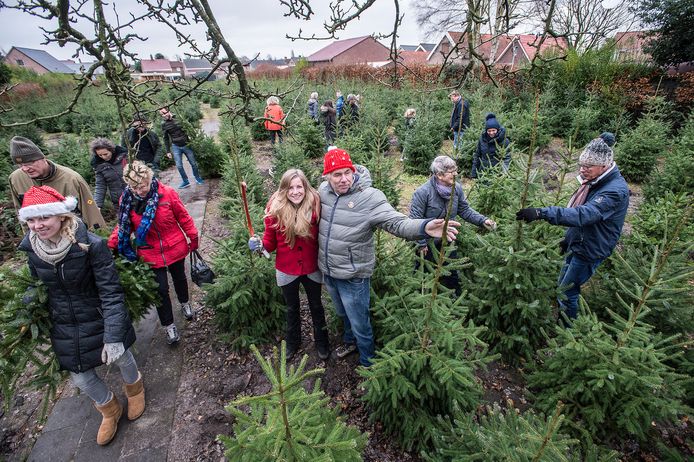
44 201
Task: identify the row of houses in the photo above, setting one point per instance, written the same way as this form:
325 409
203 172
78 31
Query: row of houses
509 51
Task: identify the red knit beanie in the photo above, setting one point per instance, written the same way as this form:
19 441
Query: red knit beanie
336 159
44 201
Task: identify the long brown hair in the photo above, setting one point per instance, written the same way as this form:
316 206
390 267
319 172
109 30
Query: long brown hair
292 220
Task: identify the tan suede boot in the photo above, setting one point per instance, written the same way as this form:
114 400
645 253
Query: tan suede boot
136 398
110 413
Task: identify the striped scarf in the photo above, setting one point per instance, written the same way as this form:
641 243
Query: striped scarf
125 247
579 197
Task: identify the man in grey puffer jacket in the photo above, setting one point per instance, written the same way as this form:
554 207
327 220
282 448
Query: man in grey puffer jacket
350 210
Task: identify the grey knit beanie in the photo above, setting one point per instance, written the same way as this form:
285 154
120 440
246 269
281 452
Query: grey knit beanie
23 150
597 152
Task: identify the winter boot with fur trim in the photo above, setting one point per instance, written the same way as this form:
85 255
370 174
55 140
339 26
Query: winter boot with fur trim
136 398
110 412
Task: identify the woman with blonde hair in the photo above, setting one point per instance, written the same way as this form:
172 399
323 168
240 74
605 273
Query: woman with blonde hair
90 324
291 228
164 236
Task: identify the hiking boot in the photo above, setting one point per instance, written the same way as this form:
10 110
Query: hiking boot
323 351
184 185
172 334
199 181
187 310
345 349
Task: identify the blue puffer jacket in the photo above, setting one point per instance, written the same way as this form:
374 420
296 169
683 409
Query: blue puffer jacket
489 150
594 227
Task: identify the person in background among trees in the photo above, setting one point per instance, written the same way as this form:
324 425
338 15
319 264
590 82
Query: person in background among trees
492 144
594 219
350 211
352 108
608 138
313 106
275 114
460 117
328 117
108 161
339 103
431 201
291 227
410 116
90 323
35 170
176 142
164 236
144 142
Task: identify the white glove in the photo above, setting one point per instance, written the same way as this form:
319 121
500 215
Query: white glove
112 351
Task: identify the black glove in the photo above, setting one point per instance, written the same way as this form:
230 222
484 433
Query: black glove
529 214
563 246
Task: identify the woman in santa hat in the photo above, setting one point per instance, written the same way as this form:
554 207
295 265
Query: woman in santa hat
90 323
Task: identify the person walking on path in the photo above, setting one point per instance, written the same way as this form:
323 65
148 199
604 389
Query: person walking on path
35 170
164 236
90 324
144 142
492 145
176 142
275 119
350 211
291 228
460 117
313 106
431 201
108 161
594 219
328 117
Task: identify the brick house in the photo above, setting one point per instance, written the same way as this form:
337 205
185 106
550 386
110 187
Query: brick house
359 50
628 47
510 51
39 61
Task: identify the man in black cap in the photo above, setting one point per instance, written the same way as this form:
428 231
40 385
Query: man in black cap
594 219
35 170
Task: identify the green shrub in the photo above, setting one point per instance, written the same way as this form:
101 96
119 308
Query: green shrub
309 138
677 175
211 159
289 423
421 145
73 152
288 156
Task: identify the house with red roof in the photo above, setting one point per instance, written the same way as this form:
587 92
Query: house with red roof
358 50
628 47
510 51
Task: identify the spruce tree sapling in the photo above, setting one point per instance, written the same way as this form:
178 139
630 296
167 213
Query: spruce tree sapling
427 370
614 377
289 423
139 286
309 138
677 174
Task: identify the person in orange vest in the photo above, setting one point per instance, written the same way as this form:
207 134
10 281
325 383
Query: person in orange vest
275 114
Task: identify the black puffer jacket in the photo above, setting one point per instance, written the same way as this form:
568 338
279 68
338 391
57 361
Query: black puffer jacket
109 174
489 152
86 301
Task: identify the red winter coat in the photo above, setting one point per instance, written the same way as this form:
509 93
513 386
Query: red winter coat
167 235
297 261
274 112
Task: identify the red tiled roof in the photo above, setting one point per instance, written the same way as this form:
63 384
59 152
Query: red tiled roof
412 57
484 48
155 65
340 46
635 39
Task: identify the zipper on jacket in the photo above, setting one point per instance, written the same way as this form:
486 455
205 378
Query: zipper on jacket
61 277
330 227
161 243
351 259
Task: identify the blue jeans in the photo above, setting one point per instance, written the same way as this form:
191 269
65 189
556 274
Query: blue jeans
457 136
351 298
92 385
177 152
573 275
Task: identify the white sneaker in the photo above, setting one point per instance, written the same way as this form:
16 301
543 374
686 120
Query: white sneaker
187 310
172 334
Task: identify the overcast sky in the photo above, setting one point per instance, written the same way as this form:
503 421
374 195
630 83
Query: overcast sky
251 27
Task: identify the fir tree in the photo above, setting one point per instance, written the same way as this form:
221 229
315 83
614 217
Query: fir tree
289 423
677 174
614 377
309 138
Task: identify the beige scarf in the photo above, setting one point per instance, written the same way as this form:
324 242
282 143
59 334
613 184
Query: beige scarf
48 251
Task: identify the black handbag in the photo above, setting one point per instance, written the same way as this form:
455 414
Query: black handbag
200 271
